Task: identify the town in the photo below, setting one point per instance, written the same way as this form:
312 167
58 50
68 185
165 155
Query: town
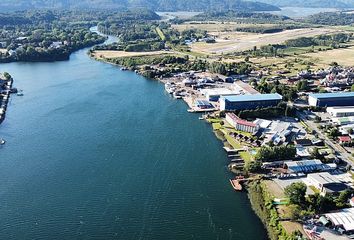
305 145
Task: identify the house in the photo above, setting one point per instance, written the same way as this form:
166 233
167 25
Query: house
344 139
307 166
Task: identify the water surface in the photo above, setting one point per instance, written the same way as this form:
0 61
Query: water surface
96 153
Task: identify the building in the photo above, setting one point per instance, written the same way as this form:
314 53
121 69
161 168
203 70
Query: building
342 121
203 104
341 111
306 166
244 88
243 102
343 218
344 139
214 94
240 124
325 183
331 99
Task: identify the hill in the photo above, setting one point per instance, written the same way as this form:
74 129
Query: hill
312 3
159 5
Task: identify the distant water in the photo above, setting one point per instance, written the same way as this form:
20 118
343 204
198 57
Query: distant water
298 12
96 153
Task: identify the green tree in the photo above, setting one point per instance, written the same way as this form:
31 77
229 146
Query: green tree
296 193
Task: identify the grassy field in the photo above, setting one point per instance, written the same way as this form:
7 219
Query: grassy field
236 41
343 56
213 26
161 34
101 54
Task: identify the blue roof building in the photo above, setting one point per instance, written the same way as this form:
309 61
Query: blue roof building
243 102
331 99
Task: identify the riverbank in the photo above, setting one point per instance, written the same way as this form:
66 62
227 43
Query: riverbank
6 82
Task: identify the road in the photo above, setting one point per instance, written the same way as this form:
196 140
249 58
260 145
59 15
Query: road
340 152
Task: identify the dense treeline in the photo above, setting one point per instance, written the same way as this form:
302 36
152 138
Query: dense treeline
332 40
159 5
275 153
240 16
331 18
46 35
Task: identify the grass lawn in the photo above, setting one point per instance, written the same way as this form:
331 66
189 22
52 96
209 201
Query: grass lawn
216 126
246 156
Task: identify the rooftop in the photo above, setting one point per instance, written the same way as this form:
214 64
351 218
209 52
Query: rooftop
241 121
255 97
340 109
332 95
344 217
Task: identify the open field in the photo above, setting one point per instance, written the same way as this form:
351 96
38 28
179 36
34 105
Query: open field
236 41
212 26
116 54
343 56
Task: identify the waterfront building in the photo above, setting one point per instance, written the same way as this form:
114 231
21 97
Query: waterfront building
244 88
214 94
307 166
243 102
331 99
341 111
240 124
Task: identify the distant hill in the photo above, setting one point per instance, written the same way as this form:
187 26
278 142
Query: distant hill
158 5
311 3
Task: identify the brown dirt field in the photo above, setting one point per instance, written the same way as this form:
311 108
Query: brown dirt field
236 41
292 226
274 189
115 54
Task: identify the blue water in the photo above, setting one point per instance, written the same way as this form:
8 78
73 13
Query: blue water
96 153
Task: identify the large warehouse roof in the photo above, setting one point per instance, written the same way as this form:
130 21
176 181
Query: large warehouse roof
344 217
332 95
255 97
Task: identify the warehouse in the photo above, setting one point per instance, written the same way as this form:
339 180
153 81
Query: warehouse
343 218
331 99
306 166
325 183
214 94
243 102
341 111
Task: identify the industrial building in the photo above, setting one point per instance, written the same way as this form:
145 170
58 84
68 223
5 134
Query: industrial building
343 218
243 102
244 88
240 124
307 166
214 94
331 99
325 183
341 111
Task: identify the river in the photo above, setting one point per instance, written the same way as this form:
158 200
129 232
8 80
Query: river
93 152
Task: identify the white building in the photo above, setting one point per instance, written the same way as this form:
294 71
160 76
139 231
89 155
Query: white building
343 218
214 94
325 183
240 124
341 111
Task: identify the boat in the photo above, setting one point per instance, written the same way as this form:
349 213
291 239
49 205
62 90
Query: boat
124 69
20 93
201 118
2 141
236 184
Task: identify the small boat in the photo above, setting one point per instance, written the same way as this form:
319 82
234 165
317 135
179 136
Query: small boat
236 184
201 118
2 141
124 69
20 94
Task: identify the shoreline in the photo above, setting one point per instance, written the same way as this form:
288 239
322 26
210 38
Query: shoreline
250 194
